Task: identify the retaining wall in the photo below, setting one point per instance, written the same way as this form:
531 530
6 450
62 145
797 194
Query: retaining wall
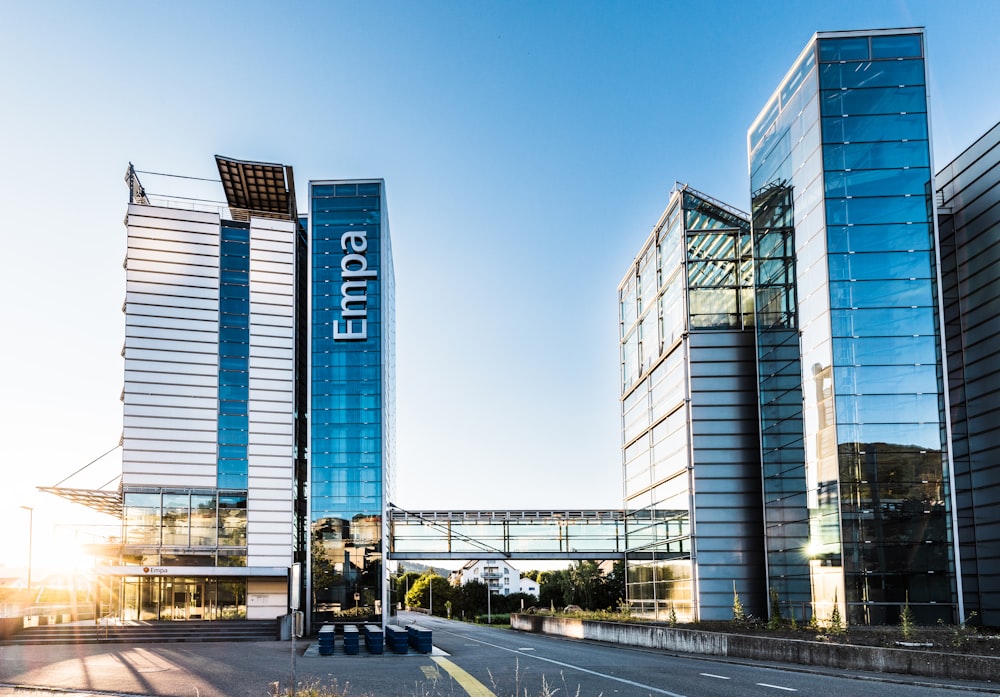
761 648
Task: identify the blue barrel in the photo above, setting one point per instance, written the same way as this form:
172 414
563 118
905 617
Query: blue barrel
373 639
352 644
420 638
397 639
327 635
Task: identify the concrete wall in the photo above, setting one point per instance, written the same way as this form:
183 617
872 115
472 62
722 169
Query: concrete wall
808 653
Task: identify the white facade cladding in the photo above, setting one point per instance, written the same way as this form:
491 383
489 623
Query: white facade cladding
172 362
208 473
171 348
272 383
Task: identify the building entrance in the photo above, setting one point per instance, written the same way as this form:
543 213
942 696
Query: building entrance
187 600
148 599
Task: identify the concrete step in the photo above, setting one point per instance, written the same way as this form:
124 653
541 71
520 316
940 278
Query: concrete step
150 632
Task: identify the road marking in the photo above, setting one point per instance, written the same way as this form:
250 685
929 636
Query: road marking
472 687
525 648
717 677
431 672
778 687
649 688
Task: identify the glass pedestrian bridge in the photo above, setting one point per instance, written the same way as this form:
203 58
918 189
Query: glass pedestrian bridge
461 535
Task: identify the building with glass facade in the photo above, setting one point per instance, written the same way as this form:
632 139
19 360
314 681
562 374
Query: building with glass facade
689 415
351 394
258 403
209 419
859 502
969 220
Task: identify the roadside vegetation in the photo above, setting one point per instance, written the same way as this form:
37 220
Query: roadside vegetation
583 584
965 638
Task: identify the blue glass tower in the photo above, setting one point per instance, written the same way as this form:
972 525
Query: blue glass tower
352 394
854 433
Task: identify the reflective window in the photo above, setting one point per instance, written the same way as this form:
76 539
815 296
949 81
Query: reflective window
902 46
846 49
859 128
914 435
871 294
876 155
714 308
176 519
899 350
877 238
895 408
883 321
886 379
141 518
203 520
886 265
874 211
232 520
872 74
878 182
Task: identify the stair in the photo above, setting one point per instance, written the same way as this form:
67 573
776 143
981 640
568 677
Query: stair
147 633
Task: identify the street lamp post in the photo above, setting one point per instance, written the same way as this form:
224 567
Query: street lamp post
31 529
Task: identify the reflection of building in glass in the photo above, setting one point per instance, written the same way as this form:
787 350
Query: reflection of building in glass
969 219
854 438
689 415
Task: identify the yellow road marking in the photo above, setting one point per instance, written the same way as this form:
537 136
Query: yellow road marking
473 687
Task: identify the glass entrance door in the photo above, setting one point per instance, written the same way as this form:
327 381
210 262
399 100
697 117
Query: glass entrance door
187 600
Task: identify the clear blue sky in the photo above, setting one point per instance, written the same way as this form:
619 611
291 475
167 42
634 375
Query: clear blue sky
527 148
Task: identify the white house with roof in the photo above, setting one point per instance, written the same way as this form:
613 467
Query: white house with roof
498 575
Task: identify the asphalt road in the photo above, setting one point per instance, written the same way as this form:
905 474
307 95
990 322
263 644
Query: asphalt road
468 659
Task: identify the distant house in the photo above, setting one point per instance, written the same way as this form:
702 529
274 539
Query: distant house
501 577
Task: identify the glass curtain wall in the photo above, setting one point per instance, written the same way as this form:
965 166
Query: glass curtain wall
234 355
185 528
887 372
655 457
854 454
346 418
694 274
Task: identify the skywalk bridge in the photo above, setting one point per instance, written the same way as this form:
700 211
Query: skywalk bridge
528 535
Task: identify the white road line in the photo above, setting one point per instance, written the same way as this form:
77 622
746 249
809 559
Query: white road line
650 688
778 687
717 677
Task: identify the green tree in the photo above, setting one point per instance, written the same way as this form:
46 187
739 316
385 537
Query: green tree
610 591
427 585
470 599
583 584
556 588
586 578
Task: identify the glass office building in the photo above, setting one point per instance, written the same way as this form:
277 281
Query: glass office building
352 395
858 494
209 402
689 416
969 217
259 402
